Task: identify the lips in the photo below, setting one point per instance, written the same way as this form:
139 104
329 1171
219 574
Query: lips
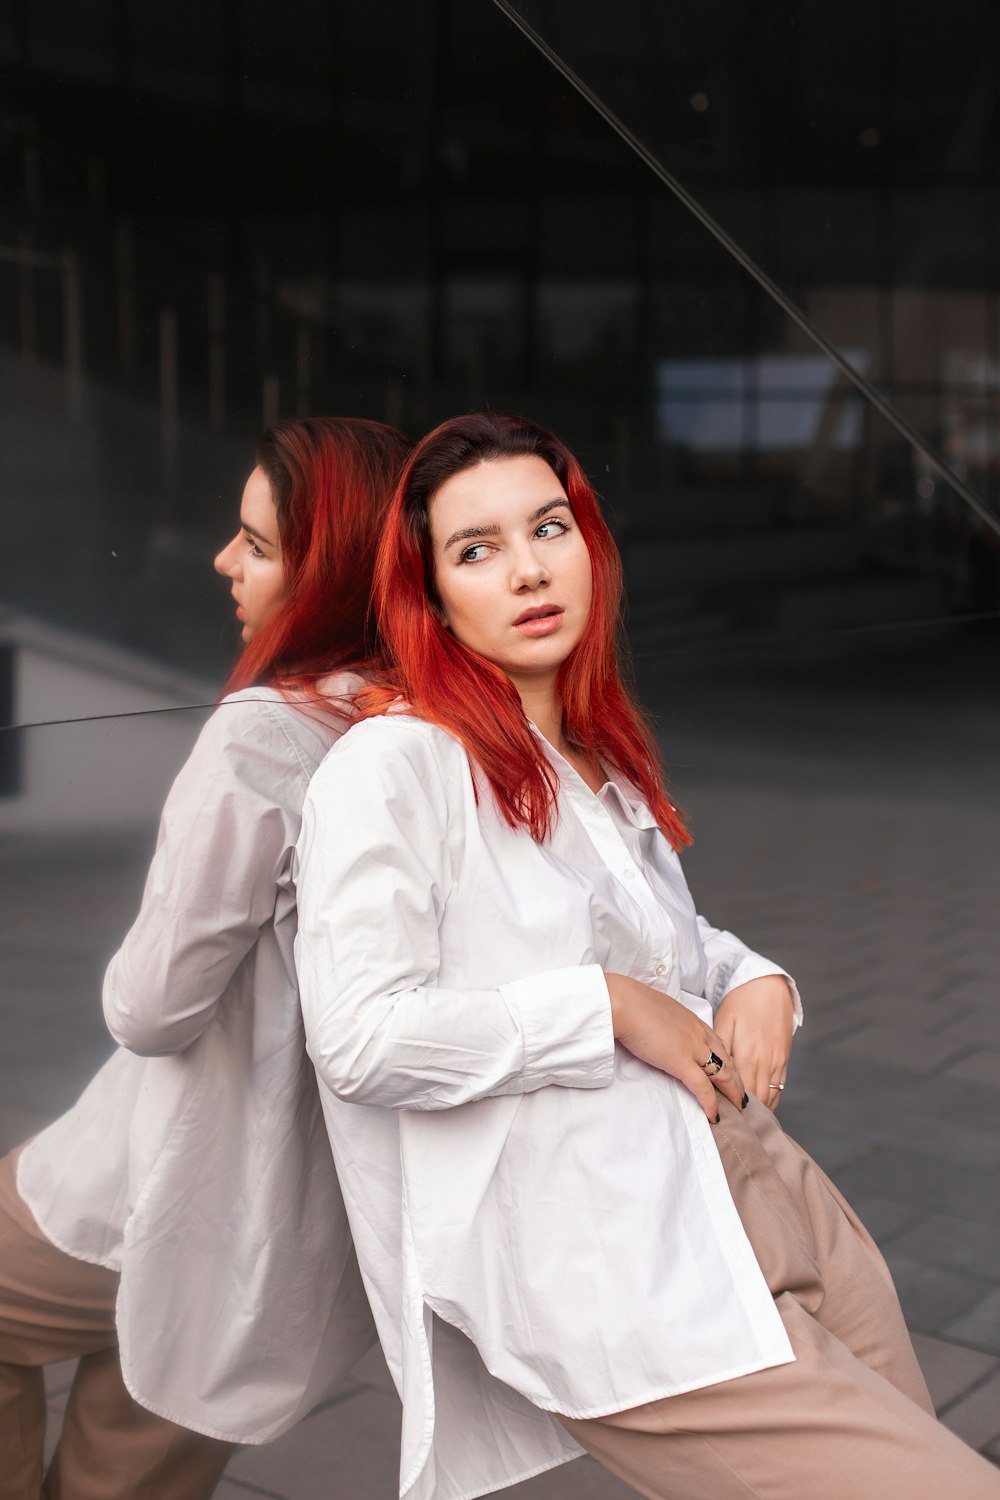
541 613
542 621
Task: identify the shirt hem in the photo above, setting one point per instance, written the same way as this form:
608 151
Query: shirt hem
661 1393
501 1484
241 1440
104 1262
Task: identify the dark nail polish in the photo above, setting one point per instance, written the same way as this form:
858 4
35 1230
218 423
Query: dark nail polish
718 1117
746 1101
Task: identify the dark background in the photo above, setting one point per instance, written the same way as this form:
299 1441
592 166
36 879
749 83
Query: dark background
212 214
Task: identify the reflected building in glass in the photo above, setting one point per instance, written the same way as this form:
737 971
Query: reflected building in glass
210 219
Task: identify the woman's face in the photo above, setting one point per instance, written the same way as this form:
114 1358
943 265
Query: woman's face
252 560
512 569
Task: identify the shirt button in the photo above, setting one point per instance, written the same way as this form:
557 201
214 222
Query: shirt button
660 969
549 1078
629 873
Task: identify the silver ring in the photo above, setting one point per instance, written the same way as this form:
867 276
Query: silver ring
779 1086
713 1064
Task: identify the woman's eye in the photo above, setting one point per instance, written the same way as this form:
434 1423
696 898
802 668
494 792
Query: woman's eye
543 530
475 553
253 548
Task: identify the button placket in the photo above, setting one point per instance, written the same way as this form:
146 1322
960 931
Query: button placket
613 849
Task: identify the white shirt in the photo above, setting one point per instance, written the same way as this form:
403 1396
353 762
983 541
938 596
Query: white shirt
542 1220
200 1169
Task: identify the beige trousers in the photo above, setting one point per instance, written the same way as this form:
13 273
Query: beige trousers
53 1307
851 1418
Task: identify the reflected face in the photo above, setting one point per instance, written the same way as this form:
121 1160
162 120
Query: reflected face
252 560
511 566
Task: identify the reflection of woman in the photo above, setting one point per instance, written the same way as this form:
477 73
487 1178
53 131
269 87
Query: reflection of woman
567 1241
193 1184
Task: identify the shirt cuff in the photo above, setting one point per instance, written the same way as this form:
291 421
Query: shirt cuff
756 967
565 1019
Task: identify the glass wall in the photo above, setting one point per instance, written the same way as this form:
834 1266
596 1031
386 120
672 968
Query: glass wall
211 217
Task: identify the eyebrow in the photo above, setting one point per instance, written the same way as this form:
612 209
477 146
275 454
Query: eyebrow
477 531
252 531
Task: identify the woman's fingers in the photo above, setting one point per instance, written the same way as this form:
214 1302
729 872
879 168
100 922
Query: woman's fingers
664 1033
700 1085
728 1079
756 1022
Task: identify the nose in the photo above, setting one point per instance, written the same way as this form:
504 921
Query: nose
528 570
227 560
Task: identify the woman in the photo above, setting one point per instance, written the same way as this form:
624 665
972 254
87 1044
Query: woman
192 1184
576 1228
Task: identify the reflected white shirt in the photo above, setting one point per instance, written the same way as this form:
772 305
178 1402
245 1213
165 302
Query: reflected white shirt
201 1171
542 1221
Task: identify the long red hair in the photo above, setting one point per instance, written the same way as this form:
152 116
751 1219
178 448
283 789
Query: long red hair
331 479
449 685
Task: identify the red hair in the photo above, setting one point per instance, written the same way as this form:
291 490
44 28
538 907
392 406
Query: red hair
331 479
449 685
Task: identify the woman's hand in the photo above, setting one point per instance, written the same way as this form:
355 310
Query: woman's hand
755 1023
664 1033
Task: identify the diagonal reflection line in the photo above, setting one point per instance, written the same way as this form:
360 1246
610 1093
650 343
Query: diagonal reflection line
132 713
936 460
705 648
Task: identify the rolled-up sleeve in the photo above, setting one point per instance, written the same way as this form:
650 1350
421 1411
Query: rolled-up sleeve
375 861
226 834
731 963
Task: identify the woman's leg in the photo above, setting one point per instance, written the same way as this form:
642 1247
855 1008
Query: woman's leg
851 1418
111 1448
51 1308
824 1428
808 1241
54 1307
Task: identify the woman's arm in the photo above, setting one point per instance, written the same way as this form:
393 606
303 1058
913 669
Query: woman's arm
226 832
374 872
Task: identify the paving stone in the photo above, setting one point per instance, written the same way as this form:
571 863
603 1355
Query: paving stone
979 1325
976 1416
59 1378
915 1051
958 1244
882 1217
351 1450
929 1295
982 1067
949 1369
831 1150
236 1489
913 1178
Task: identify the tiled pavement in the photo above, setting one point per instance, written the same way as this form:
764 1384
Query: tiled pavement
854 832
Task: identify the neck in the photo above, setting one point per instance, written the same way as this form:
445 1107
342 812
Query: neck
543 707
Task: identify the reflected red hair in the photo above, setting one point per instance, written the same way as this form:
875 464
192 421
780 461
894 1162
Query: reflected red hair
331 479
451 686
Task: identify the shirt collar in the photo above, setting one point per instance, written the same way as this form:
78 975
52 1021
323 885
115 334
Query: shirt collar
617 789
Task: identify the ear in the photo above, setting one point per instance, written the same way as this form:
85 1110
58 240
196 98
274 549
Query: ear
434 604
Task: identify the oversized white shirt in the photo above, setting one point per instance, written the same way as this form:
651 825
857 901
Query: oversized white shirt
200 1169
542 1220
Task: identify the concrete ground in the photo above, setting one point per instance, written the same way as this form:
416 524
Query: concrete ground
848 823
